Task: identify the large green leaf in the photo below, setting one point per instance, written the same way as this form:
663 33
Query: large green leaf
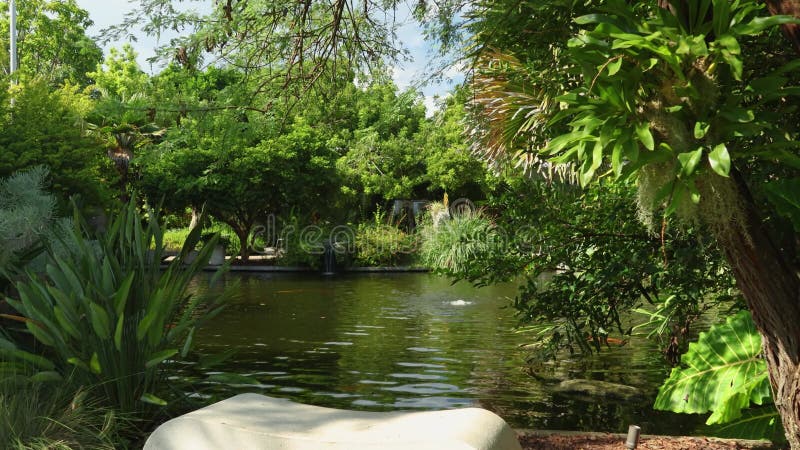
723 373
762 422
785 196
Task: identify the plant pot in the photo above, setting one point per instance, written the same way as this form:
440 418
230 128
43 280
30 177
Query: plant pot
217 256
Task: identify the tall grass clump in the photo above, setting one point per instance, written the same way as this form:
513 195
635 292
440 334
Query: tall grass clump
108 314
382 244
43 415
466 245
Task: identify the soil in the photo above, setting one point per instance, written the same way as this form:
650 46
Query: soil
607 441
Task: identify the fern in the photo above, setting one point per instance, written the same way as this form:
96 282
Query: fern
724 375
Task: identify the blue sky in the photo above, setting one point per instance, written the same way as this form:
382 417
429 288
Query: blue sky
110 12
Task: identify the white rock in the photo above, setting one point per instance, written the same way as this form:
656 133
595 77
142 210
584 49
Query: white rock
252 421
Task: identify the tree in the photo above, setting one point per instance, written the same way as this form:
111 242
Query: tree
44 127
667 98
51 42
240 177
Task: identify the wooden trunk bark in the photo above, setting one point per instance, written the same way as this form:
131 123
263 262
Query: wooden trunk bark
244 249
771 287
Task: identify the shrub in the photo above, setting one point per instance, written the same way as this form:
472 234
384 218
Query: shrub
464 246
37 415
107 311
383 245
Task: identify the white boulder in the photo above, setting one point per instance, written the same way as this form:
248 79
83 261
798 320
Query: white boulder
252 421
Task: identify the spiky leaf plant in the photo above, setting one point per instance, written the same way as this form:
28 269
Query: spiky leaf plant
108 311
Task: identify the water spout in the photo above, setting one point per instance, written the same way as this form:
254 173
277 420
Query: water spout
328 259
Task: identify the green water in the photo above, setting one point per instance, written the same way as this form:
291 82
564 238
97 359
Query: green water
411 342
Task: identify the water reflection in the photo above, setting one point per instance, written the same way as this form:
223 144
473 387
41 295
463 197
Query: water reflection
414 341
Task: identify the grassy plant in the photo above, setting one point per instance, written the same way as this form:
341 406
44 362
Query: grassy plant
36 415
461 245
107 311
174 239
378 244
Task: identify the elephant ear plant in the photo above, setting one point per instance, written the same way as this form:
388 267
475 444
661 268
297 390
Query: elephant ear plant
109 314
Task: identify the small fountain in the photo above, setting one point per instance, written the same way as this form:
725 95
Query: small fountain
328 258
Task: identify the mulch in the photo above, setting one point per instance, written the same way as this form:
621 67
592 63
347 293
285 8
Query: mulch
531 440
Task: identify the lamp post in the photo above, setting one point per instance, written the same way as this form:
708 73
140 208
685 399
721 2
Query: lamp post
12 12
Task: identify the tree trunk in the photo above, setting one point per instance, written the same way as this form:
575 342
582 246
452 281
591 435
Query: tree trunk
195 218
789 8
244 249
771 287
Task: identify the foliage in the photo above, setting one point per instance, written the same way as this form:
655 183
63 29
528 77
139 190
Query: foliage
293 48
682 97
384 156
244 180
51 42
583 278
652 100
450 166
28 222
44 129
37 415
467 245
119 75
382 244
109 312
723 373
174 239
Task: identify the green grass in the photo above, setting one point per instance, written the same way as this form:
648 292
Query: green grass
38 415
175 237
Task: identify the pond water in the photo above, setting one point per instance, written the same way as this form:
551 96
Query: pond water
413 341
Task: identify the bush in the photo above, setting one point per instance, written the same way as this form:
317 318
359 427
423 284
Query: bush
383 245
107 311
37 415
464 246
174 239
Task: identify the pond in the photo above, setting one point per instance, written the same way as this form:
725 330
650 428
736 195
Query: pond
412 341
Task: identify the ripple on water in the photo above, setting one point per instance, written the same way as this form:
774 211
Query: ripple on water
424 388
423 365
290 389
424 350
416 376
377 382
433 402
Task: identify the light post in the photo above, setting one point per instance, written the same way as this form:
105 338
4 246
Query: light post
12 12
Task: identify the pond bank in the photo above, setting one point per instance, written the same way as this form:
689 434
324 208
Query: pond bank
575 440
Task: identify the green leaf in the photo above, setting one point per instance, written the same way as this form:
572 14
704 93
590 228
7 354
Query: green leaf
700 129
759 24
719 372
720 160
94 364
188 344
159 357
77 362
645 136
689 160
46 376
100 321
121 296
153 400
614 66
755 423
785 196
118 331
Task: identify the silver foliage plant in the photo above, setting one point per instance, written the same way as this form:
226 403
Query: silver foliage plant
28 220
